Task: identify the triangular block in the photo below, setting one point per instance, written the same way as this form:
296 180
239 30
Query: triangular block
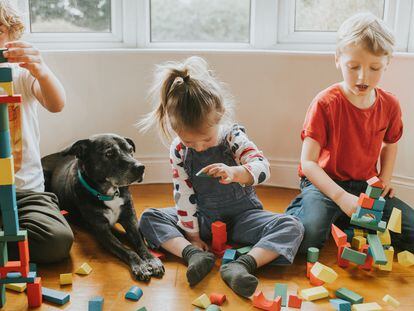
84 269
203 301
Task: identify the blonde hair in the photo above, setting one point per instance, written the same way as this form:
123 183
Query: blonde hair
367 30
184 95
11 18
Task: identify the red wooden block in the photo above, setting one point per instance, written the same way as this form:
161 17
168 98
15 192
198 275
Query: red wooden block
24 252
14 266
314 280
338 235
218 228
309 266
10 99
369 261
157 254
375 182
64 212
294 302
365 201
343 263
34 293
217 299
260 301
220 252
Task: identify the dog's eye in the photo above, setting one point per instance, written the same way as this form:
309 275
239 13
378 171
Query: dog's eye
131 150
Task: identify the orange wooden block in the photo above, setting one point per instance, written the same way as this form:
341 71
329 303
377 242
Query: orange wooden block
157 254
369 261
14 266
24 252
314 280
309 266
217 299
294 302
365 201
260 301
34 293
338 235
375 182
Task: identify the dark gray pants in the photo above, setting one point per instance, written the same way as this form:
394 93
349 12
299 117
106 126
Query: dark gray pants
50 236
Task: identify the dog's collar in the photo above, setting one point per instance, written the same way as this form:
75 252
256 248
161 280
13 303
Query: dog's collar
97 194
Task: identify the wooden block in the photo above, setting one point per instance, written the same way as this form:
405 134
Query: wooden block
6 74
405 258
142 309
34 293
203 301
17 287
65 279
365 201
358 232
24 252
358 242
391 301
243 250
394 223
373 192
229 255
55 296
10 99
385 237
219 228
134 293
10 223
314 293
5 146
376 249
6 88
339 236
96 304
260 301
349 234
340 304
157 254
314 280
294 302
343 263
309 266
324 273
2 58
369 261
370 212
312 255
213 307
17 278
14 266
349 295
371 306
7 171
8 198
368 223
84 269
20 236
217 298
379 204
354 256
2 295
375 182
281 291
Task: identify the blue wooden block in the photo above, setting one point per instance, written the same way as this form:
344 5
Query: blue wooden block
2 295
16 277
373 192
281 290
20 236
96 304
379 204
6 74
368 223
4 256
5 147
340 304
32 267
55 296
10 222
353 255
364 211
134 293
376 249
229 255
4 118
349 234
8 198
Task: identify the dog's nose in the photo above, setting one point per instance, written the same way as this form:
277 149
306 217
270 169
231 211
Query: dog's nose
138 169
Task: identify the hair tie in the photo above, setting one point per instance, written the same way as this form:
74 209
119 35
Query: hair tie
186 78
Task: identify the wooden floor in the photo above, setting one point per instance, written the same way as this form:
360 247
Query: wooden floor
111 278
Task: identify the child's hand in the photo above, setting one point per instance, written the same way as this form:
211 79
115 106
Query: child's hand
348 203
27 56
195 239
220 170
387 188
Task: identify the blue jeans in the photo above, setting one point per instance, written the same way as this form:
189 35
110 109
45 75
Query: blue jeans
317 212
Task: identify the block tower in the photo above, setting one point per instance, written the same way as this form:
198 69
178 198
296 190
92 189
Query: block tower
12 271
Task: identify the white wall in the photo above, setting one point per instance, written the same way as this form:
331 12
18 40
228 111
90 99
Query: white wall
107 93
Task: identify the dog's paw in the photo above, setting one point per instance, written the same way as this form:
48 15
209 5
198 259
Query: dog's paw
142 271
158 269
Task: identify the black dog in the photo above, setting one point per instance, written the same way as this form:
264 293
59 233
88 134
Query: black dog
91 179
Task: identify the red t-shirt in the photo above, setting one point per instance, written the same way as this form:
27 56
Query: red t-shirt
350 137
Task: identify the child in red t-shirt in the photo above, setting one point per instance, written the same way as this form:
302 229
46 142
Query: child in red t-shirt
348 127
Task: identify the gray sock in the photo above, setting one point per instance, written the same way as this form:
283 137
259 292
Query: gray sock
199 263
238 275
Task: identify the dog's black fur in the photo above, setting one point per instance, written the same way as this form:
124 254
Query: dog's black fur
107 164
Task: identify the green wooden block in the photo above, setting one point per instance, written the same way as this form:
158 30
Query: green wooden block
281 290
6 74
349 295
373 192
8 198
5 146
364 211
2 295
368 223
20 236
376 249
16 277
4 256
243 250
313 255
4 118
379 204
213 308
354 256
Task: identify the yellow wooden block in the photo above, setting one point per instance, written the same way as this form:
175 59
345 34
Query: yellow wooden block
17 287
6 88
314 293
203 301
371 306
389 254
358 242
406 258
66 278
394 223
84 269
358 232
6 171
324 273
391 301
384 237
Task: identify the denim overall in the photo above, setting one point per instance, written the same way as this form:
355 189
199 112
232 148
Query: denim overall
237 206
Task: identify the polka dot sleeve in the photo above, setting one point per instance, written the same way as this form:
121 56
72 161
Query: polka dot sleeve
184 195
246 153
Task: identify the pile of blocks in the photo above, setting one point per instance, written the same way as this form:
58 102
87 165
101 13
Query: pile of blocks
211 303
280 299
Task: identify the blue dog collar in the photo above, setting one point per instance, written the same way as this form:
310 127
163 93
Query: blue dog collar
97 194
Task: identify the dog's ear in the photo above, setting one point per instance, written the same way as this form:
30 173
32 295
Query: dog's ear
77 149
129 140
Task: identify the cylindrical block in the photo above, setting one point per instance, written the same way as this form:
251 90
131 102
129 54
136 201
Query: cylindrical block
313 254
